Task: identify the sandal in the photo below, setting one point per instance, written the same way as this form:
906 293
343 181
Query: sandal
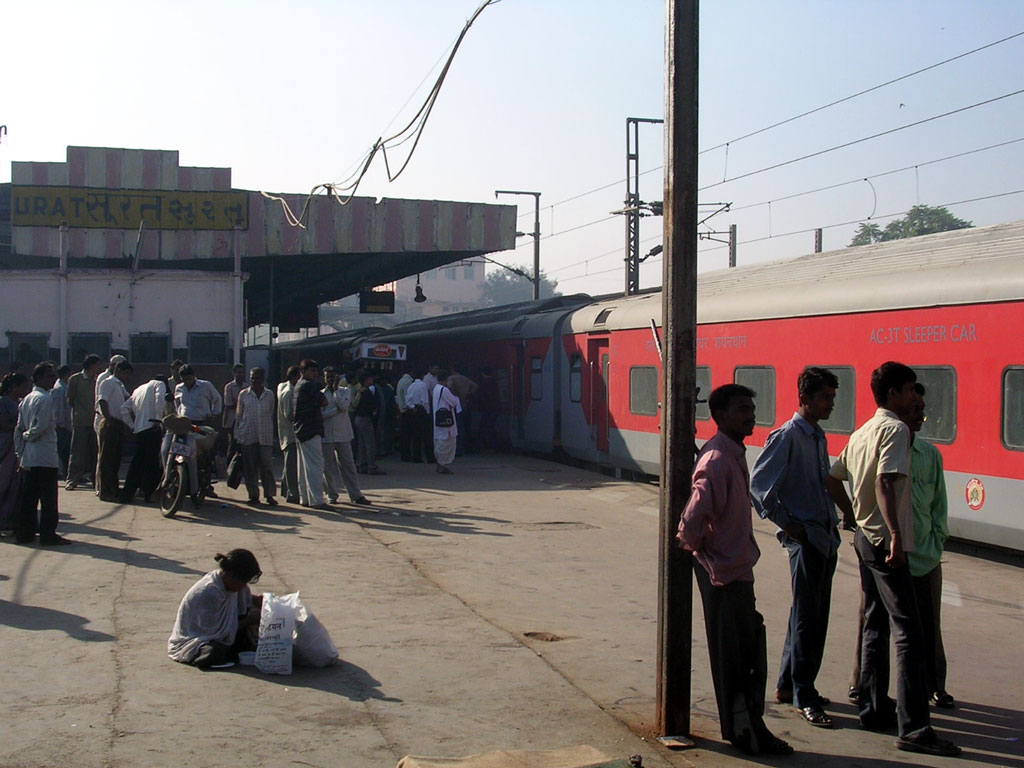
943 700
816 716
775 746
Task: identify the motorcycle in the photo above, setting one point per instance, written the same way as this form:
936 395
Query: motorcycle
176 480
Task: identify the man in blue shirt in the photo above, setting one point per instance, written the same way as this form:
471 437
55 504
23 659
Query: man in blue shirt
788 487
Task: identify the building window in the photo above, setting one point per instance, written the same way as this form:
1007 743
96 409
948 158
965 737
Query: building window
432 274
643 390
208 348
536 378
449 272
1013 408
467 271
81 345
576 379
149 348
704 390
939 403
28 348
844 415
761 379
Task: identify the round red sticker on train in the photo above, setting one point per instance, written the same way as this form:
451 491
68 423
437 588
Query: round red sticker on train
382 350
975 493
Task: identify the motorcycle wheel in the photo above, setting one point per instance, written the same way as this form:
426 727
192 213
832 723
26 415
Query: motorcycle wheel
172 495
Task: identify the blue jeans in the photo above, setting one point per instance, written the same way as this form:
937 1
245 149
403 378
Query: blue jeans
889 601
811 578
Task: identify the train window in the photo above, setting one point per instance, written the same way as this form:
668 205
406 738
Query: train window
576 379
844 416
761 379
602 316
940 403
536 378
643 390
1013 408
704 385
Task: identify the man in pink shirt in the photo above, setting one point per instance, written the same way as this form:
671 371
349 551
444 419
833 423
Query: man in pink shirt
716 526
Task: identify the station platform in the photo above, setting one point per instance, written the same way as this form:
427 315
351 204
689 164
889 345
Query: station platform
509 606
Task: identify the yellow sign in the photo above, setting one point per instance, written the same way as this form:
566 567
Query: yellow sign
127 208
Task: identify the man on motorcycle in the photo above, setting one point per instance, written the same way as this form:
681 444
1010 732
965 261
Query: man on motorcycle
199 401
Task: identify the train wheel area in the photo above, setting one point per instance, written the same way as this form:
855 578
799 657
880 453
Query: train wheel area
511 605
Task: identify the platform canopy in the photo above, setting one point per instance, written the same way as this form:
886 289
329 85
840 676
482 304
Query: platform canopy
195 220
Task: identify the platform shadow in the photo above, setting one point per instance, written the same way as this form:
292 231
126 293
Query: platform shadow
341 679
231 513
132 557
419 522
38 618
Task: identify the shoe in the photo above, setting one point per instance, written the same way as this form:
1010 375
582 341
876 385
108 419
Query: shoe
111 499
253 502
362 500
816 716
56 541
943 700
783 696
332 499
773 745
325 507
271 501
71 485
292 500
929 744
210 494
854 695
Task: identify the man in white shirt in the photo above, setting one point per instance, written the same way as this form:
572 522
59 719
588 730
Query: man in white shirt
35 441
111 430
286 435
254 436
103 376
339 465
417 397
200 402
406 415
149 401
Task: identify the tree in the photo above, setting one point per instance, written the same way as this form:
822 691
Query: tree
920 220
504 287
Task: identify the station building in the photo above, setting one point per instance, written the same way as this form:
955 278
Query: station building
128 251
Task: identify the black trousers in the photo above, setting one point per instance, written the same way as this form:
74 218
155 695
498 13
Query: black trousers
811 579
739 662
37 505
406 432
889 602
423 440
144 472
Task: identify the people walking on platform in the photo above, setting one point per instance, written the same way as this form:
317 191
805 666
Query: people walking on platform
84 443
35 441
788 487
876 462
13 388
149 402
406 414
387 414
286 434
366 407
445 407
339 466
308 421
254 437
421 447
111 431
62 418
488 403
463 388
231 392
716 526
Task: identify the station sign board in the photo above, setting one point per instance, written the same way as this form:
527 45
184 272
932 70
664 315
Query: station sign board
377 302
379 350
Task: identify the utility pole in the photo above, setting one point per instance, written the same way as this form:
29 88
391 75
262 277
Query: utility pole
679 375
633 204
817 240
535 233
732 245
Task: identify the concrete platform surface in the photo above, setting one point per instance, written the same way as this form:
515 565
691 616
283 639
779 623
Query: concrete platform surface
509 606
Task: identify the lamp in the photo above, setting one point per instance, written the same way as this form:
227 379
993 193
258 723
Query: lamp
419 298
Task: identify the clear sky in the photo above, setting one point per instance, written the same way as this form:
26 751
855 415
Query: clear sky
289 95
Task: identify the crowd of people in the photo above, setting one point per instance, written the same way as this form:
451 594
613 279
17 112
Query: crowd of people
330 425
898 509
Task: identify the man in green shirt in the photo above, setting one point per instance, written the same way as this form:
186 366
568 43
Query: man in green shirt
925 561
81 394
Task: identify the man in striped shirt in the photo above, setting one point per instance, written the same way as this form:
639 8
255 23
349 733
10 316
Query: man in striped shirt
254 434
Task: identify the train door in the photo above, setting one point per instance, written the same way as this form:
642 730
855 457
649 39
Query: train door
599 369
519 392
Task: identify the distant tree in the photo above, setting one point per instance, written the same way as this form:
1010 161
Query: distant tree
503 287
920 220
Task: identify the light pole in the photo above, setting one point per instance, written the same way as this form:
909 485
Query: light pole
536 235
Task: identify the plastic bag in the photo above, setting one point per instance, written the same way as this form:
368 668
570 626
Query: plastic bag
313 644
277 627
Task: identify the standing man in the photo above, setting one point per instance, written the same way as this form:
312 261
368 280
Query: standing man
387 414
231 390
488 402
149 401
716 527
417 397
406 420
35 441
876 462
308 420
788 488
82 398
286 434
339 466
62 418
928 489
366 407
254 436
111 430
463 388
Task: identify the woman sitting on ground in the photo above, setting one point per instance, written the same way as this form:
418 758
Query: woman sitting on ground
216 614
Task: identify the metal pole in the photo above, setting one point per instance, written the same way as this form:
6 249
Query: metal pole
236 308
62 272
732 245
679 295
817 240
536 246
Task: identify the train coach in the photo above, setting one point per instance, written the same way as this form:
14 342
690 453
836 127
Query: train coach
584 376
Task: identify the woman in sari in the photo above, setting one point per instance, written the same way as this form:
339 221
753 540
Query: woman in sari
215 615
445 436
13 387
